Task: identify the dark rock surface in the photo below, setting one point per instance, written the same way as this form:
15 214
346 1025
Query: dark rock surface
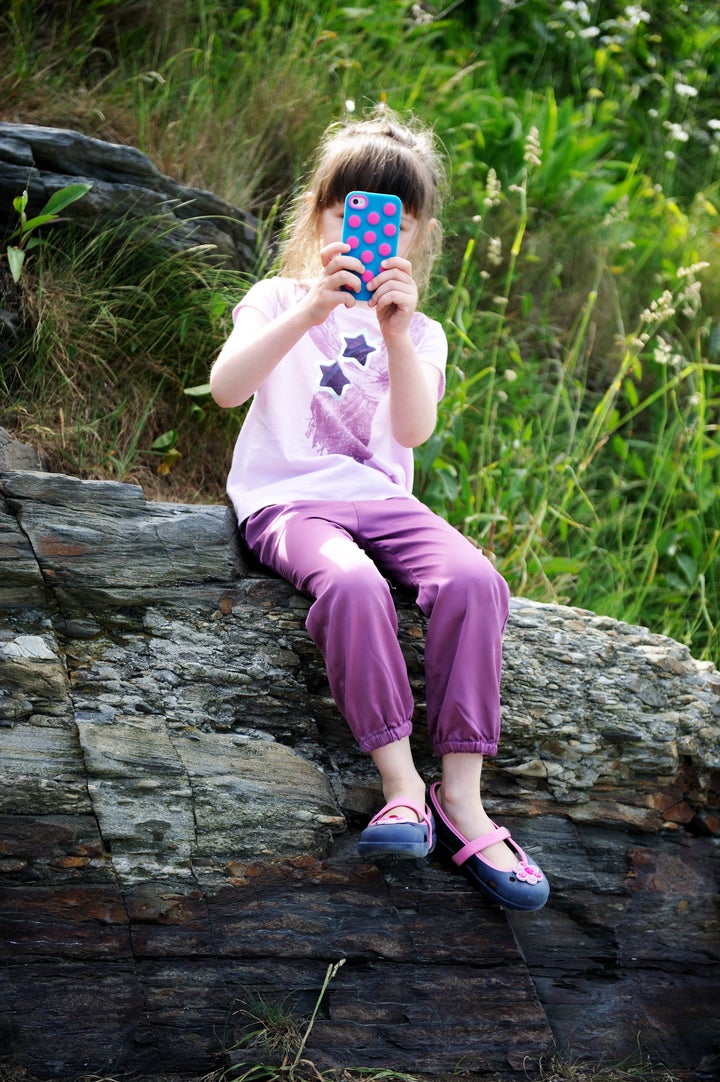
180 801
124 183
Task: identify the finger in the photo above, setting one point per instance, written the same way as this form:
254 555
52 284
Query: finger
331 251
390 297
385 283
343 264
400 274
343 278
396 262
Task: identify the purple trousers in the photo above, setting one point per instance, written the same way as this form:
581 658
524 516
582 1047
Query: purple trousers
339 553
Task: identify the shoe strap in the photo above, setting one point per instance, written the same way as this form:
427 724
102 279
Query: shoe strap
500 834
424 815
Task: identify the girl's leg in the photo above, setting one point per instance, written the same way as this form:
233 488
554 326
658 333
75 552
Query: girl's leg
466 602
461 800
400 778
352 620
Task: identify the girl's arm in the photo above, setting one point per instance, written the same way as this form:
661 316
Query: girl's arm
414 384
257 344
414 388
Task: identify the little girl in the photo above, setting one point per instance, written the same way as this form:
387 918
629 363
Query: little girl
321 481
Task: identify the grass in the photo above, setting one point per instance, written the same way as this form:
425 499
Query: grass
578 439
556 1070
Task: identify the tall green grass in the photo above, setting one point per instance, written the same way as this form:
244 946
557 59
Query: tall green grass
119 327
578 438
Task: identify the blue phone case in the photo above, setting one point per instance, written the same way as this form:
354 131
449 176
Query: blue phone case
371 226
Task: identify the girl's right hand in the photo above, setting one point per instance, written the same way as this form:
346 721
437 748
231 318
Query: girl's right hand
325 292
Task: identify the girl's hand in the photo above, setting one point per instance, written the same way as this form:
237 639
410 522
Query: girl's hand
325 292
394 296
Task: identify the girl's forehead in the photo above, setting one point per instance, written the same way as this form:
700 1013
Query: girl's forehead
338 206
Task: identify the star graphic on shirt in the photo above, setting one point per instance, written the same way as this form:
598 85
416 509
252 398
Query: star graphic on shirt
358 349
333 377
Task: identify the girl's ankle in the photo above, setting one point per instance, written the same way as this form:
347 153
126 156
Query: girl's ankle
412 791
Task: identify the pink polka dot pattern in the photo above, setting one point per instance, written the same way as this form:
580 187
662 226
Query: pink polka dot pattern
371 229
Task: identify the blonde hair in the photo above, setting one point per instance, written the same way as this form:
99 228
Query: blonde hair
379 154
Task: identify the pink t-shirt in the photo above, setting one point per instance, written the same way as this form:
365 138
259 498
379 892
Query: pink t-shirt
318 428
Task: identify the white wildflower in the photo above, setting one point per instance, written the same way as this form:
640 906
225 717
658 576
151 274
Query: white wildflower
664 354
660 309
689 298
635 15
420 15
580 9
494 251
533 149
692 270
619 212
685 90
493 189
676 131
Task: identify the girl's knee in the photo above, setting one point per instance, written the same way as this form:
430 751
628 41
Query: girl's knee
481 582
473 583
361 586
493 590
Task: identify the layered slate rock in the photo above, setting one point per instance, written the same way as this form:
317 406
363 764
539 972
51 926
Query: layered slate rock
124 184
180 800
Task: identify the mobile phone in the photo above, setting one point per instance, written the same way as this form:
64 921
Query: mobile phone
371 226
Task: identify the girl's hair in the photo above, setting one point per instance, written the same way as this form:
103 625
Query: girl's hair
379 154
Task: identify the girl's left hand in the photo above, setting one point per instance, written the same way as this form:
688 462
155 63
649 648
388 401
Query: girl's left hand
394 296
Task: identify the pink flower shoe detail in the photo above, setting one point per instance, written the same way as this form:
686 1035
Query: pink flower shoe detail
528 873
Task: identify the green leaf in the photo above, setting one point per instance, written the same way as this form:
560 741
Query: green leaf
16 258
197 392
64 197
40 219
563 565
688 567
217 305
165 442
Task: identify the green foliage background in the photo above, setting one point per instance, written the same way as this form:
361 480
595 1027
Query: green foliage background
578 441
